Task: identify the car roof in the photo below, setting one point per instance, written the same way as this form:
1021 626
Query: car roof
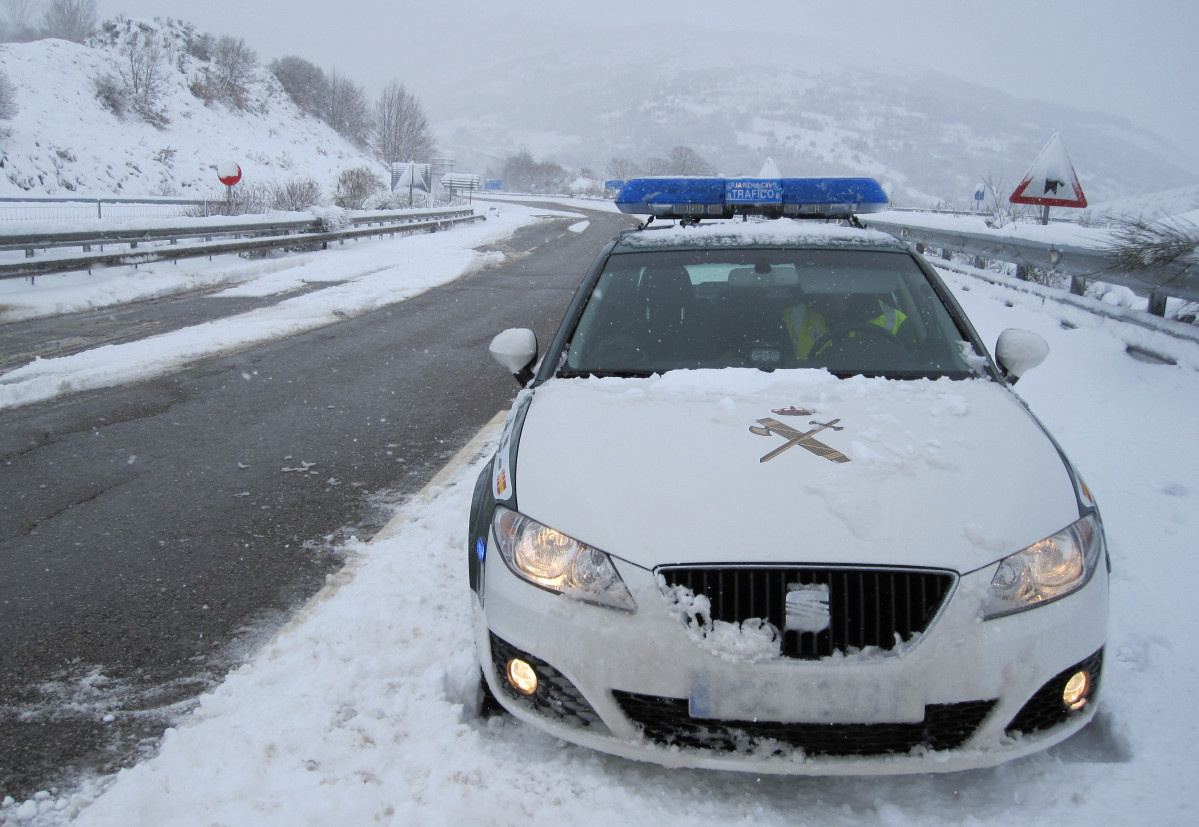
774 233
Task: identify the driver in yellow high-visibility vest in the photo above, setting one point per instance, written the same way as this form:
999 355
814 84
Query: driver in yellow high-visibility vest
807 325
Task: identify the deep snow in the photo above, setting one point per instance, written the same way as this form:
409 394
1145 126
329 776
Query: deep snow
359 710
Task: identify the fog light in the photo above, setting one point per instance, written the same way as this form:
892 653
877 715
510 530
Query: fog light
522 677
1077 690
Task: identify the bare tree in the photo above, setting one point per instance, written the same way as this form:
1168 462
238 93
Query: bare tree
19 12
345 108
20 18
143 73
69 19
522 173
996 203
401 128
683 160
623 168
233 65
657 166
304 82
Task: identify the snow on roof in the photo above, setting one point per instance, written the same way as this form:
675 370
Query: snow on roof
774 233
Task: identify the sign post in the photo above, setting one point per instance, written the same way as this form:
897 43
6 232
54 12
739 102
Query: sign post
1050 181
228 173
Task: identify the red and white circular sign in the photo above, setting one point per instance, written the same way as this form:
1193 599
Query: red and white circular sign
229 173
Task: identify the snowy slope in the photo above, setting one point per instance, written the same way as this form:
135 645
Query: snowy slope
64 142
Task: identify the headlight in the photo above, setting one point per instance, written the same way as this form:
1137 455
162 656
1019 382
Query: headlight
559 563
1045 571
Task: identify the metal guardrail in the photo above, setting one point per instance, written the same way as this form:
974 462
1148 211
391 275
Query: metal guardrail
1174 329
1179 280
296 233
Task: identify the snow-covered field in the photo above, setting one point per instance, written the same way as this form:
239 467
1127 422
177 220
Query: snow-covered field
360 710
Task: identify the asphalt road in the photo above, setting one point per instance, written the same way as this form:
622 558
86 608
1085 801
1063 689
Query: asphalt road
152 535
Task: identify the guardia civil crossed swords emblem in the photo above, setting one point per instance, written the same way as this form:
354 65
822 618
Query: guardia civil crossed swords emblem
804 439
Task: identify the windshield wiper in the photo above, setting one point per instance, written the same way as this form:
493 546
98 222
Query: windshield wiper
625 373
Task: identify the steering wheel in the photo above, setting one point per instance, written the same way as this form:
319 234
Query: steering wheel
871 331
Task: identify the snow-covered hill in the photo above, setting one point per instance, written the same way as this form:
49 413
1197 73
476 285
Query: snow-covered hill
816 107
63 141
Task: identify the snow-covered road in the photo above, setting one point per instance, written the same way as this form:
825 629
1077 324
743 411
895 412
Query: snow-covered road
359 710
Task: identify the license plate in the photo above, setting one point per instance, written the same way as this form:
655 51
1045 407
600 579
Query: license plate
831 700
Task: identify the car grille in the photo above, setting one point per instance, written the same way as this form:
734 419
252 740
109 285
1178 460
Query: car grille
867 606
667 721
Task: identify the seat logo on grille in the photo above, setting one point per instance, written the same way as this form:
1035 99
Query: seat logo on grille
807 607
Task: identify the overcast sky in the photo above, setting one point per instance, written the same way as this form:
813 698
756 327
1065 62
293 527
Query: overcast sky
1134 59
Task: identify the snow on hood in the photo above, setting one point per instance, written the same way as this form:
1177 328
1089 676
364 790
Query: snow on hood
950 474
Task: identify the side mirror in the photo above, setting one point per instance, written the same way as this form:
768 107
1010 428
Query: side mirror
1019 351
516 350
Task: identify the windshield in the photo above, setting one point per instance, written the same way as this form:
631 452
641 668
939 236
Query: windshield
851 311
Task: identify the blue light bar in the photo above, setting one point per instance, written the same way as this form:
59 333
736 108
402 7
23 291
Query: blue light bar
673 197
695 198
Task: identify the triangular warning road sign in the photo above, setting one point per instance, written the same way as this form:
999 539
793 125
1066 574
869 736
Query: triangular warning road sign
1050 181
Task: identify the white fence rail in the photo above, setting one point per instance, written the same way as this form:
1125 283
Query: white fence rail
80 209
133 246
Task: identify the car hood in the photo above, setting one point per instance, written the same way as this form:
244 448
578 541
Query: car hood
666 470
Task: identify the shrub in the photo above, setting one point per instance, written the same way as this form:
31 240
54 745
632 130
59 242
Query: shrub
8 99
199 46
296 195
110 91
354 186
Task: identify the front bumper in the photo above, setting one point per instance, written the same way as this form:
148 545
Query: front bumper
964 694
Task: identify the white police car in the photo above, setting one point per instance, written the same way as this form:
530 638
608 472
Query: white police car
767 504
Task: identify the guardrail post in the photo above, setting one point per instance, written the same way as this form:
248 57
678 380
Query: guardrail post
1078 285
99 211
1157 303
